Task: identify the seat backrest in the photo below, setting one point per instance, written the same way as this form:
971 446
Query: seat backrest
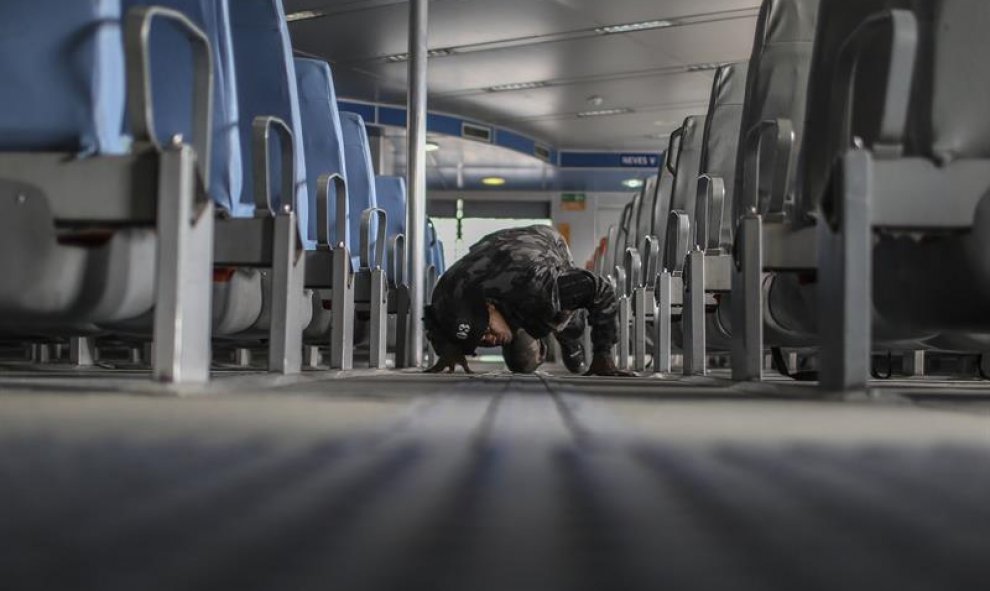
391 193
62 72
949 114
172 77
720 144
777 80
266 86
665 186
360 173
685 189
323 139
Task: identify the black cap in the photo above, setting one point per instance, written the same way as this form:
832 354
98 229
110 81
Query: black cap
460 323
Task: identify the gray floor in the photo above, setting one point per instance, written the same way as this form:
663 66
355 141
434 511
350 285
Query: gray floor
389 480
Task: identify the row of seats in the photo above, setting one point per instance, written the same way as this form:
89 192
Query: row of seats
168 171
830 201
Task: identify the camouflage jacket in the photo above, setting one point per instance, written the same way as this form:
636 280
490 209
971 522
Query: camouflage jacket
529 275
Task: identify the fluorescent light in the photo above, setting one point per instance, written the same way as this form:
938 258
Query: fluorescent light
604 112
704 67
493 181
432 146
633 27
304 15
515 86
632 183
404 57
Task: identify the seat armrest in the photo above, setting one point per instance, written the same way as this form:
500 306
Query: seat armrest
769 155
373 258
650 250
903 28
140 104
261 146
633 266
708 217
323 209
678 240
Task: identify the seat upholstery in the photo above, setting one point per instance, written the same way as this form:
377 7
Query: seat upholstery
632 223
63 75
391 193
323 140
172 80
721 137
266 86
360 175
685 191
645 216
777 82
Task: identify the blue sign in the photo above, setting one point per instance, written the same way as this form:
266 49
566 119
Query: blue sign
639 160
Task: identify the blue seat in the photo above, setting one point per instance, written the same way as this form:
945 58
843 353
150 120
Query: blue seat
63 75
392 198
266 86
360 177
324 139
171 64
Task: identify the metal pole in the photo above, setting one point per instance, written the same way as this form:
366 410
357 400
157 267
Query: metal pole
416 181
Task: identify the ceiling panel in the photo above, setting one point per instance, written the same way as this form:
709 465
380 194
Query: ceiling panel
515 41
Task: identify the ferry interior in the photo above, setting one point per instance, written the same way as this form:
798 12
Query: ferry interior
221 222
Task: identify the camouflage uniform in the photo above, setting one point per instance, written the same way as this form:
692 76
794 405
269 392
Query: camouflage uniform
529 275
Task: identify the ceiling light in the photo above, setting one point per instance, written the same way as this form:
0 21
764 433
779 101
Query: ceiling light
632 183
304 15
604 112
704 67
633 27
515 86
432 146
404 57
493 181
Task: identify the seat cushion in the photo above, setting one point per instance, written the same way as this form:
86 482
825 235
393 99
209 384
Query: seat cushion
62 70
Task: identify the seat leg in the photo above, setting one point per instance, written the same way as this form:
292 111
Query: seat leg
313 356
288 283
914 364
82 351
641 300
747 301
401 295
694 315
625 311
845 275
379 319
661 340
184 267
342 329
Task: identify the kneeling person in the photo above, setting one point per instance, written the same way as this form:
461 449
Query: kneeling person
514 288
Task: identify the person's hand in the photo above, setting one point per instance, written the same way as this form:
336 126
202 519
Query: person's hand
450 361
602 365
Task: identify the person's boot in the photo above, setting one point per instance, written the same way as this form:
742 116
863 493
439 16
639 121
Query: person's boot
573 353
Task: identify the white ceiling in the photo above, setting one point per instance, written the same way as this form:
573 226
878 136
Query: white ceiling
553 41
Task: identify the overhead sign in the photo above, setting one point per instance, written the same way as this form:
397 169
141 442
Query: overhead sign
573 201
639 160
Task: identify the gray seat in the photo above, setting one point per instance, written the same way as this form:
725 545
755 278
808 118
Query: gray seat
917 104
